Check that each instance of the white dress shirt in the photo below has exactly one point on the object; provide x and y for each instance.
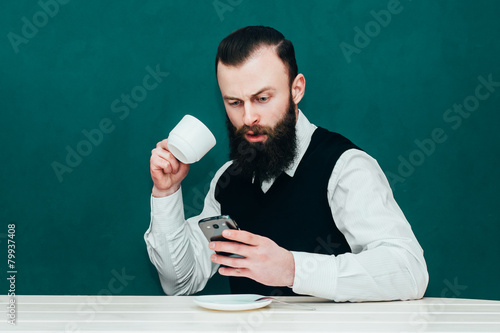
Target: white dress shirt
(386, 262)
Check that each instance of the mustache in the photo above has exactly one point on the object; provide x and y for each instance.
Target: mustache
(256, 129)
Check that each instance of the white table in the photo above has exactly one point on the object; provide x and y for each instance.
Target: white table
(180, 314)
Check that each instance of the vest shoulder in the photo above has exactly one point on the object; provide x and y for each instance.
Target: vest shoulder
(324, 141)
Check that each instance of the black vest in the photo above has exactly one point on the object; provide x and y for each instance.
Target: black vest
(294, 212)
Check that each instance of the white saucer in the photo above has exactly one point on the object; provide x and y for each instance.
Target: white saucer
(234, 302)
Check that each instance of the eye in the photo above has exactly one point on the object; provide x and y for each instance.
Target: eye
(234, 103)
(263, 99)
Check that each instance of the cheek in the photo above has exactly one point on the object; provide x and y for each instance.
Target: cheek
(276, 111)
(234, 119)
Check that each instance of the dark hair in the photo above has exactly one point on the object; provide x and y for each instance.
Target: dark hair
(236, 48)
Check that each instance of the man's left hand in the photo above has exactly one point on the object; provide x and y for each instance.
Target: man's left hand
(264, 262)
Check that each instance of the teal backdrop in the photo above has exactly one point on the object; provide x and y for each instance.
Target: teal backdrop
(87, 88)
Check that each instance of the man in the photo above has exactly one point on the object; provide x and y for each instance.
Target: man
(317, 214)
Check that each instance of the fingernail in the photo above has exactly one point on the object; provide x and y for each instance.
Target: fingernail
(226, 233)
(211, 245)
(213, 257)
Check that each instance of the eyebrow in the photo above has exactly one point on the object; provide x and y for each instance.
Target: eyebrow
(253, 95)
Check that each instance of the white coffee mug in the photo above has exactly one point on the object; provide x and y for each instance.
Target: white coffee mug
(190, 140)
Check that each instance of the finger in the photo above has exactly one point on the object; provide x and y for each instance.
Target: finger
(158, 163)
(162, 144)
(242, 236)
(228, 261)
(228, 271)
(169, 157)
(230, 247)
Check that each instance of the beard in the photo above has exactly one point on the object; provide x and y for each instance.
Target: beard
(266, 160)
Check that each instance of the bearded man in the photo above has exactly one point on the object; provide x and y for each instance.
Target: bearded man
(317, 214)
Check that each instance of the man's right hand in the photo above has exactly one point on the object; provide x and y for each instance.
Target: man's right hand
(166, 171)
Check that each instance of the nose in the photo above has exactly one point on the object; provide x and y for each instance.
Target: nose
(251, 116)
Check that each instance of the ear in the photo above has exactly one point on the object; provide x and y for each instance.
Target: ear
(298, 88)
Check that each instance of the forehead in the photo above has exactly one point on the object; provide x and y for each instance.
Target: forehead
(262, 69)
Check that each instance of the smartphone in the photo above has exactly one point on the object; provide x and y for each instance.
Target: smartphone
(212, 228)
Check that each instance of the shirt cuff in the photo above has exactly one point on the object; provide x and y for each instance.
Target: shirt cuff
(167, 213)
(315, 274)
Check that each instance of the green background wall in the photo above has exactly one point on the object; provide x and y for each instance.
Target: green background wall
(67, 72)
